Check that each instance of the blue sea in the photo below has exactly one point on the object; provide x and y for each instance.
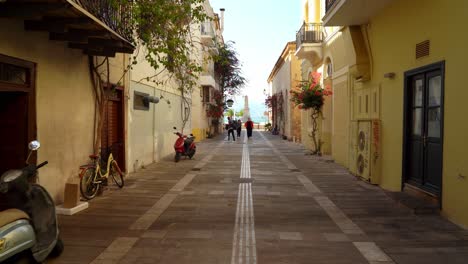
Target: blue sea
(257, 110)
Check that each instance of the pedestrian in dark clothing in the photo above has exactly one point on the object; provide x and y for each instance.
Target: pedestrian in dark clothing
(231, 127)
(239, 128)
(249, 126)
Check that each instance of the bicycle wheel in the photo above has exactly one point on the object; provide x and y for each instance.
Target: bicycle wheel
(116, 174)
(88, 188)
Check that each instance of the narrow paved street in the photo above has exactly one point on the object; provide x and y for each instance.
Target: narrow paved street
(254, 201)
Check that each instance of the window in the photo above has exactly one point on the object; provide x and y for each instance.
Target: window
(140, 101)
(13, 74)
(329, 70)
(206, 94)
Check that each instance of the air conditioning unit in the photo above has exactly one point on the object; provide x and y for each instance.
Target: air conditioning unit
(367, 158)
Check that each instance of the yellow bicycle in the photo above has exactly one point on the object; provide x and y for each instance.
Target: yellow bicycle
(92, 176)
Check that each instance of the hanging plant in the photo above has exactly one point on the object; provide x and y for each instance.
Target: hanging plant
(311, 95)
(216, 110)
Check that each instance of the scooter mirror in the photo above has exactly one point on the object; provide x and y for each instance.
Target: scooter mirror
(34, 145)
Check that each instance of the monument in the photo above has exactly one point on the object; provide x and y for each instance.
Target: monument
(246, 115)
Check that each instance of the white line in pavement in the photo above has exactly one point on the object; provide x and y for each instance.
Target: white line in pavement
(369, 250)
(373, 253)
(244, 243)
(116, 250)
(152, 215)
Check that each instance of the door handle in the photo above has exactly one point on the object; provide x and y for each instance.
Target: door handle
(424, 138)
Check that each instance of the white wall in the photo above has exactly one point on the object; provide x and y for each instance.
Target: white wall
(282, 82)
(150, 134)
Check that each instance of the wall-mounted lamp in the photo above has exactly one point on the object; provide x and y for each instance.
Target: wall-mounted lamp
(389, 75)
(151, 99)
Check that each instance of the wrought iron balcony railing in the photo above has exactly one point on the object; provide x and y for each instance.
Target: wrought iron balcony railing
(310, 33)
(114, 15)
(329, 4)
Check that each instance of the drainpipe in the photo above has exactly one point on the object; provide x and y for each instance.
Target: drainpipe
(154, 126)
(222, 20)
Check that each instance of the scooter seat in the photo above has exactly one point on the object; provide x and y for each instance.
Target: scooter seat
(11, 215)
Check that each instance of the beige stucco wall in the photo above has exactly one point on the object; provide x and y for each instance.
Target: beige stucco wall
(150, 134)
(281, 83)
(296, 116)
(64, 102)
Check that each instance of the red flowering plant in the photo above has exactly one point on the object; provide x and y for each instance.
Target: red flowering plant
(311, 95)
(271, 101)
(216, 110)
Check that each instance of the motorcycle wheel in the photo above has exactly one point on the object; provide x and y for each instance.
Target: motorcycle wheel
(177, 156)
(58, 249)
(192, 154)
(88, 188)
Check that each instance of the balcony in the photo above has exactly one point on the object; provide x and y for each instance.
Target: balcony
(207, 75)
(309, 40)
(95, 26)
(352, 12)
(207, 33)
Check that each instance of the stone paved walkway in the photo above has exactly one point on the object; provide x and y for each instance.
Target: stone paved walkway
(254, 201)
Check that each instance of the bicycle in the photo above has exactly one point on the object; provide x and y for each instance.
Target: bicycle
(92, 176)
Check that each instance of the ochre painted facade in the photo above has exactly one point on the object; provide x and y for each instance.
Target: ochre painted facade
(362, 55)
(393, 44)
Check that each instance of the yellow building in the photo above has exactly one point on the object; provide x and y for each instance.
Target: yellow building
(398, 81)
(284, 76)
(311, 49)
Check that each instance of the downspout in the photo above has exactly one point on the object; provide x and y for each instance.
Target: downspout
(365, 34)
(154, 127)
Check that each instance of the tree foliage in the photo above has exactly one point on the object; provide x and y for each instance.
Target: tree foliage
(164, 29)
(228, 69)
(240, 113)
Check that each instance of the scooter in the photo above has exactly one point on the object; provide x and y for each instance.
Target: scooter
(184, 146)
(28, 227)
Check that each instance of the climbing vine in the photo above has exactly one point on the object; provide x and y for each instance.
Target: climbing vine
(311, 95)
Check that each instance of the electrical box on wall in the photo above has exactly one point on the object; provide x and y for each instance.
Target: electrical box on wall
(367, 155)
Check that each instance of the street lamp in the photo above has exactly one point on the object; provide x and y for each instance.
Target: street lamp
(230, 102)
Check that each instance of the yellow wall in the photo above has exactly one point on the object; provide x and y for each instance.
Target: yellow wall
(393, 50)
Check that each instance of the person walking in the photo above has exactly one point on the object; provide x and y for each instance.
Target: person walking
(239, 128)
(249, 126)
(231, 127)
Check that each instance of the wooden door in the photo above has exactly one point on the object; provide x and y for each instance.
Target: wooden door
(425, 127)
(13, 130)
(112, 140)
(17, 112)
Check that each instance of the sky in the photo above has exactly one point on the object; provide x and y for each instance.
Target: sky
(260, 30)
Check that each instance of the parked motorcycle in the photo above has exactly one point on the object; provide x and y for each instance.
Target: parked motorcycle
(28, 227)
(184, 146)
